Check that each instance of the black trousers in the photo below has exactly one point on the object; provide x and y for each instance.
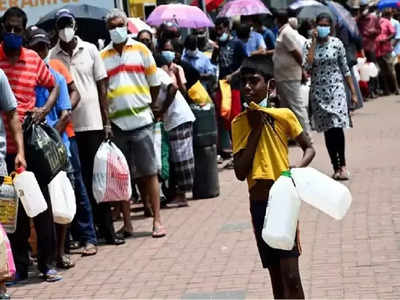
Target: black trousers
(45, 230)
(335, 143)
(88, 144)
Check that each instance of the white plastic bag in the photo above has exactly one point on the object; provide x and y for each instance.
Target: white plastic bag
(282, 214)
(157, 145)
(62, 199)
(111, 176)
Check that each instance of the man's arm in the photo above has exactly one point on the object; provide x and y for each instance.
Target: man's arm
(102, 90)
(39, 113)
(16, 132)
(63, 121)
(308, 151)
(74, 95)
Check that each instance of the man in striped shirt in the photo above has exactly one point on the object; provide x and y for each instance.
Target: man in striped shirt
(133, 87)
(25, 71)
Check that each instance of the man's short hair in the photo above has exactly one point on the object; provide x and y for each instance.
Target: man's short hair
(191, 42)
(258, 64)
(15, 12)
(222, 21)
(243, 31)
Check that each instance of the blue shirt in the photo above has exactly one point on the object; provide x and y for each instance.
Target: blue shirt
(7, 103)
(255, 42)
(396, 25)
(63, 102)
(269, 38)
(200, 62)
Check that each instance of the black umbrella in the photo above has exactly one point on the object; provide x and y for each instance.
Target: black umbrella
(90, 20)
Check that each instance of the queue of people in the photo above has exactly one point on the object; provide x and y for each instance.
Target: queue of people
(119, 92)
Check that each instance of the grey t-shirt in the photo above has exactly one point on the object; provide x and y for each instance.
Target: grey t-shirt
(7, 103)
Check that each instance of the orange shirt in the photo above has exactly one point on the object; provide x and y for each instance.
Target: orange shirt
(62, 69)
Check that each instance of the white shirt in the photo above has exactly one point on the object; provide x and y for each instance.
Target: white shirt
(86, 67)
(179, 111)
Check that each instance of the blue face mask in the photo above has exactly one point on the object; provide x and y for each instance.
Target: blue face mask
(223, 37)
(12, 41)
(169, 56)
(323, 31)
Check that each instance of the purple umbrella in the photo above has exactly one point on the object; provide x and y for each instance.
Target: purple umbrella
(186, 16)
(243, 8)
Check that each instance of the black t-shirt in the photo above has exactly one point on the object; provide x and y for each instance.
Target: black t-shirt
(231, 55)
(191, 74)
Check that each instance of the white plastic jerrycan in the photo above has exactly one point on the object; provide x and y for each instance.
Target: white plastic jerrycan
(282, 213)
(322, 192)
(28, 191)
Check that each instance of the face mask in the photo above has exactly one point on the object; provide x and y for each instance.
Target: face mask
(169, 56)
(309, 33)
(223, 37)
(191, 53)
(12, 41)
(264, 103)
(202, 35)
(66, 34)
(119, 35)
(323, 31)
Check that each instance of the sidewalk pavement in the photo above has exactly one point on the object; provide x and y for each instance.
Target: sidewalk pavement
(210, 252)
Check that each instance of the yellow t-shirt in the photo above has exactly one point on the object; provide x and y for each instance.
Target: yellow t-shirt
(271, 157)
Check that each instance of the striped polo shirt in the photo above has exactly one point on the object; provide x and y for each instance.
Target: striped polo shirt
(130, 77)
(27, 73)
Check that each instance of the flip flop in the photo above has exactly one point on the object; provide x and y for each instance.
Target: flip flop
(159, 231)
(51, 276)
(65, 263)
(89, 250)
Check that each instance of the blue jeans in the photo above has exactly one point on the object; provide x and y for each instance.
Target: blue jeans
(82, 228)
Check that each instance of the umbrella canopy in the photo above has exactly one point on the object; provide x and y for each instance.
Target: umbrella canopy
(303, 3)
(135, 25)
(311, 12)
(344, 17)
(186, 16)
(210, 4)
(243, 8)
(382, 4)
(90, 20)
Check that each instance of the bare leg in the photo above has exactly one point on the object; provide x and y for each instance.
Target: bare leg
(62, 260)
(152, 190)
(126, 213)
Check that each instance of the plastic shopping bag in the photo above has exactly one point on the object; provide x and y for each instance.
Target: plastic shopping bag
(8, 204)
(7, 265)
(157, 145)
(111, 176)
(226, 99)
(62, 198)
(46, 154)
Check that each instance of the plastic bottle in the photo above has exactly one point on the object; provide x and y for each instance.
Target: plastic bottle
(29, 192)
(282, 213)
(322, 192)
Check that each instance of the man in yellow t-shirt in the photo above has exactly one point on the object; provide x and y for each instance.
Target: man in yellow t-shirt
(260, 146)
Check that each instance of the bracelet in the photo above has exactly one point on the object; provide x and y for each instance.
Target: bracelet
(107, 126)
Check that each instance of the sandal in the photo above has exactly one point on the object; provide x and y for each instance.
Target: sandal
(72, 245)
(125, 233)
(336, 175)
(4, 296)
(159, 231)
(65, 263)
(51, 276)
(344, 174)
(89, 250)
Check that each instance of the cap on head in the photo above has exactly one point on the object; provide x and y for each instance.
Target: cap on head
(64, 13)
(35, 35)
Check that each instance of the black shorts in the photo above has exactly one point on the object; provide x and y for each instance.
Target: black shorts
(268, 255)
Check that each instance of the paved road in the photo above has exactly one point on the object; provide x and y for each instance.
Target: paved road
(210, 250)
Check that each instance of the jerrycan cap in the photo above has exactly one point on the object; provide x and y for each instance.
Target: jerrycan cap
(20, 170)
(286, 173)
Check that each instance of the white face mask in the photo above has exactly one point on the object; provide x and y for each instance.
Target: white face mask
(119, 35)
(66, 34)
(191, 53)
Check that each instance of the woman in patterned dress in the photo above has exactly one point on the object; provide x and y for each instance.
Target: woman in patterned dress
(325, 60)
